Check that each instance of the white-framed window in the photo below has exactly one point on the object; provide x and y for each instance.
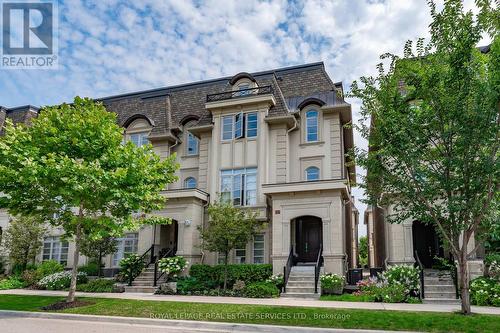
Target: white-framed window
(239, 186)
(258, 249)
(55, 249)
(190, 182)
(242, 89)
(139, 139)
(240, 256)
(312, 126)
(125, 246)
(312, 173)
(192, 144)
(240, 125)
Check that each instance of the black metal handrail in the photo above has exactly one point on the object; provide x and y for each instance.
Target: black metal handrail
(454, 274)
(287, 269)
(149, 251)
(157, 277)
(419, 263)
(317, 267)
(239, 93)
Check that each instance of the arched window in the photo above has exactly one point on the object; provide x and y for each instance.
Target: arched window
(312, 173)
(312, 126)
(190, 182)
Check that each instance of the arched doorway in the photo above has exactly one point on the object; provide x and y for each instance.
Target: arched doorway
(426, 243)
(308, 238)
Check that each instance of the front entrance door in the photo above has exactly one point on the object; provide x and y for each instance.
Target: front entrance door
(426, 243)
(309, 237)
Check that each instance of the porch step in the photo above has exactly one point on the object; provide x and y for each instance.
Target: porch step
(447, 288)
(295, 290)
(303, 284)
(140, 289)
(300, 295)
(441, 301)
(439, 294)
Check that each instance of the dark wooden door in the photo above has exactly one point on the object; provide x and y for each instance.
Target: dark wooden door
(308, 238)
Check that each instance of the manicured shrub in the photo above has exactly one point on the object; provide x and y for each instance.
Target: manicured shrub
(332, 283)
(485, 291)
(131, 266)
(49, 267)
(247, 273)
(12, 282)
(61, 280)
(91, 268)
(97, 286)
(191, 285)
(261, 290)
(172, 266)
(391, 294)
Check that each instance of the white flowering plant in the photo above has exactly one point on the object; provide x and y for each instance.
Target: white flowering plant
(403, 275)
(485, 291)
(172, 266)
(60, 280)
(278, 280)
(332, 283)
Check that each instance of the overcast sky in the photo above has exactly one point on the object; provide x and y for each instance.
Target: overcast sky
(108, 47)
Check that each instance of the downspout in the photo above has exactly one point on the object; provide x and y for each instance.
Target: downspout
(203, 228)
(294, 127)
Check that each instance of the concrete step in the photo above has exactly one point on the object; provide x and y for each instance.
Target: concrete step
(447, 288)
(441, 301)
(290, 289)
(140, 289)
(438, 281)
(301, 284)
(300, 295)
(440, 295)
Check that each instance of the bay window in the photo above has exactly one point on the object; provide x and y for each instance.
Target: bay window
(239, 186)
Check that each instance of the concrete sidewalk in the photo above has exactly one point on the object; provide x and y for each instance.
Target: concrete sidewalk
(22, 321)
(264, 301)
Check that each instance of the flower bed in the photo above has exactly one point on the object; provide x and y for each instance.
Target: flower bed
(485, 291)
(332, 284)
(61, 280)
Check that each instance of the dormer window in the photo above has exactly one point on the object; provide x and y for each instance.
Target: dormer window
(139, 139)
(192, 142)
(243, 89)
(138, 131)
(312, 126)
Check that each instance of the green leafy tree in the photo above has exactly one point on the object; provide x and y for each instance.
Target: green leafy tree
(98, 247)
(71, 168)
(432, 122)
(229, 228)
(23, 240)
(363, 251)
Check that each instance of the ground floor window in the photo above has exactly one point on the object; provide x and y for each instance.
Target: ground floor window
(240, 256)
(125, 246)
(258, 249)
(55, 249)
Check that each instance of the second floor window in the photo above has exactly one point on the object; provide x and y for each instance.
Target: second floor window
(55, 249)
(240, 125)
(192, 144)
(239, 186)
(190, 182)
(312, 173)
(139, 139)
(312, 126)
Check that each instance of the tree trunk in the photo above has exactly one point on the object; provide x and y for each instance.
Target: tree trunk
(225, 270)
(99, 263)
(463, 272)
(74, 271)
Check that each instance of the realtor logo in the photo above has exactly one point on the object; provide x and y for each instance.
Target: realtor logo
(29, 37)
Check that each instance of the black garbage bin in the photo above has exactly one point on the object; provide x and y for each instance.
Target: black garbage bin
(354, 275)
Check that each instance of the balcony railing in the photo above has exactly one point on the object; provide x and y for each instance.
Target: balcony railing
(239, 93)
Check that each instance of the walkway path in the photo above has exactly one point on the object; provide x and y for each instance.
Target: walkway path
(265, 301)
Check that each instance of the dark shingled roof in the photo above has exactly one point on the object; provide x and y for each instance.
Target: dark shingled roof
(167, 107)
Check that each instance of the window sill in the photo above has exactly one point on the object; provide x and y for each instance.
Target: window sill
(312, 143)
(190, 156)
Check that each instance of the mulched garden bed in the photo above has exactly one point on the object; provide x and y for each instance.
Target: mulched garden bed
(66, 305)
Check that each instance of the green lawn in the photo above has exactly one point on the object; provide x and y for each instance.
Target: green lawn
(257, 314)
(346, 298)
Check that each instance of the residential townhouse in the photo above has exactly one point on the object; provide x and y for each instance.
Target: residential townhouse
(273, 142)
